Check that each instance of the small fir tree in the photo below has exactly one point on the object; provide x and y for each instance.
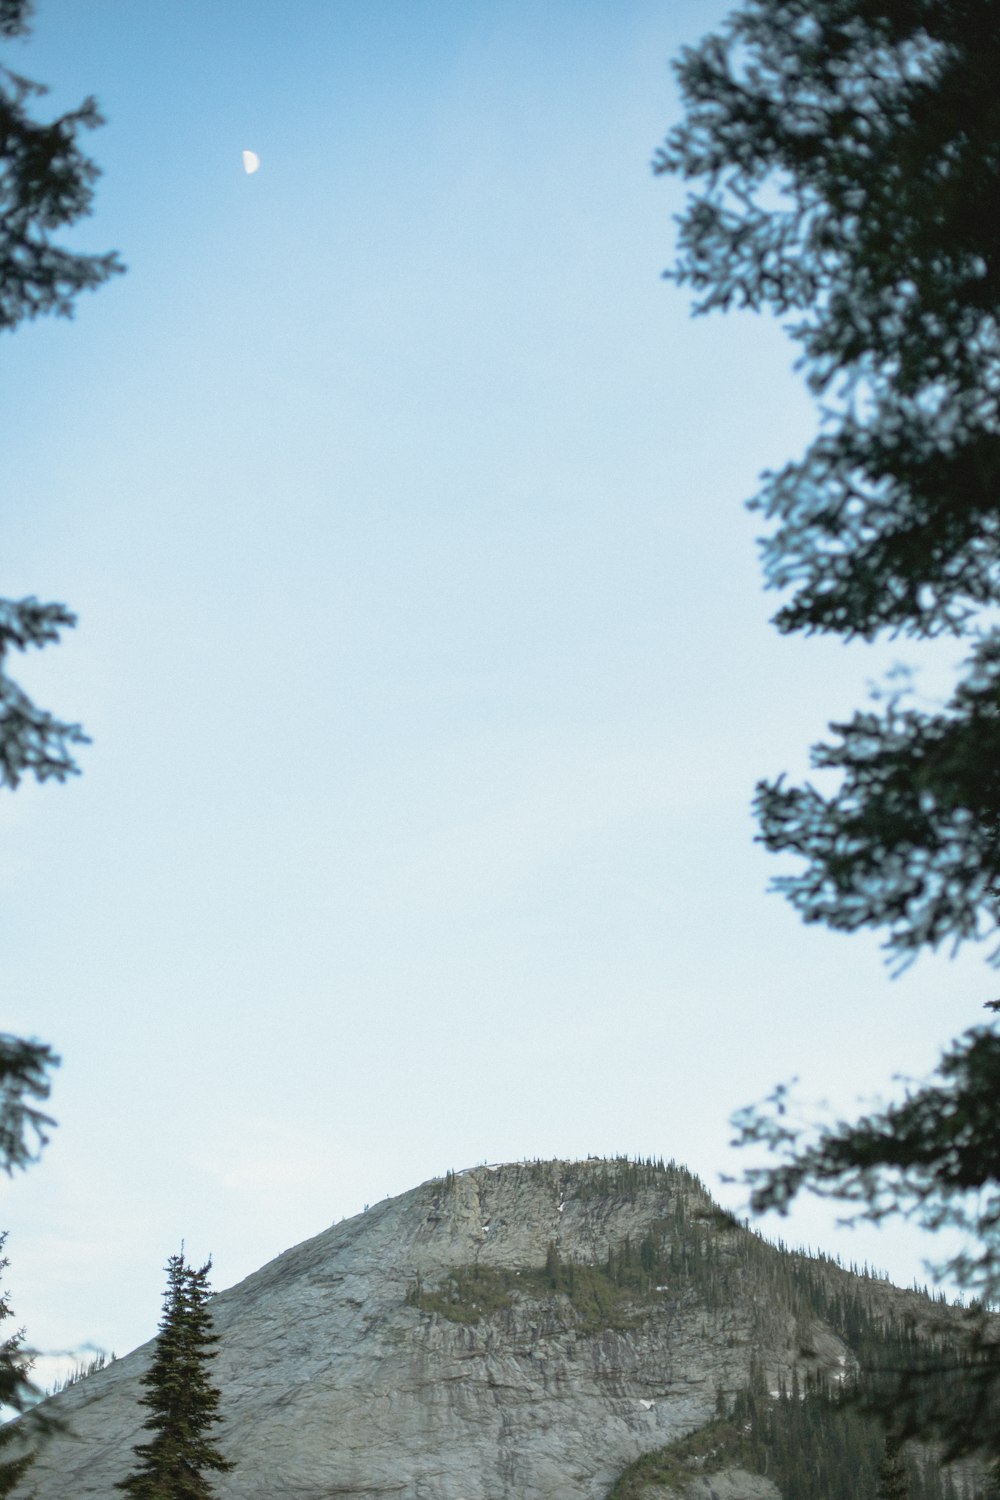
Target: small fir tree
(893, 1475)
(183, 1403)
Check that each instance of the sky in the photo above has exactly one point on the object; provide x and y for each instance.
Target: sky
(422, 644)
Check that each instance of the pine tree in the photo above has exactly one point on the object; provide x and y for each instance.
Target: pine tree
(893, 1476)
(182, 1401)
(46, 185)
(845, 163)
(16, 1390)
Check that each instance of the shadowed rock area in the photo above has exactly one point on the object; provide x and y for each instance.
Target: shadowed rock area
(521, 1332)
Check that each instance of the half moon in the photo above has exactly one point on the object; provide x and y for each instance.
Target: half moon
(251, 161)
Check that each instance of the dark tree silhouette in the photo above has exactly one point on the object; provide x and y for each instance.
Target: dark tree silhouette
(24, 1068)
(46, 184)
(183, 1404)
(850, 153)
(845, 156)
(893, 1475)
(16, 1391)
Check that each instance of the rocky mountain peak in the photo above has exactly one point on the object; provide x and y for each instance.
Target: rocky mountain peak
(513, 1332)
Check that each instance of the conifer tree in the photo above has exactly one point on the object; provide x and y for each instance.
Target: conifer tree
(893, 1477)
(183, 1404)
(844, 157)
(16, 1390)
(46, 186)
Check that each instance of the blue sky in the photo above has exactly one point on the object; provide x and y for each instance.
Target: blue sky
(422, 644)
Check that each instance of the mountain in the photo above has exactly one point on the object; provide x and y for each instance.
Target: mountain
(534, 1331)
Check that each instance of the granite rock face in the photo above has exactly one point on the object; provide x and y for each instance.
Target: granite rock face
(341, 1376)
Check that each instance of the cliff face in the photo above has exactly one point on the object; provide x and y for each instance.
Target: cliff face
(452, 1344)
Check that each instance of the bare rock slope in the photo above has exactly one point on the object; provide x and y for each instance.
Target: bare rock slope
(508, 1333)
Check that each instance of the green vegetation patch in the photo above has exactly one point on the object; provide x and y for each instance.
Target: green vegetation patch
(467, 1294)
(703, 1452)
(618, 1294)
(598, 1299)
(809, 1441)
(622, 1177)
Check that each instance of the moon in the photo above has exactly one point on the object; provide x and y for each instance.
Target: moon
(251, 161)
